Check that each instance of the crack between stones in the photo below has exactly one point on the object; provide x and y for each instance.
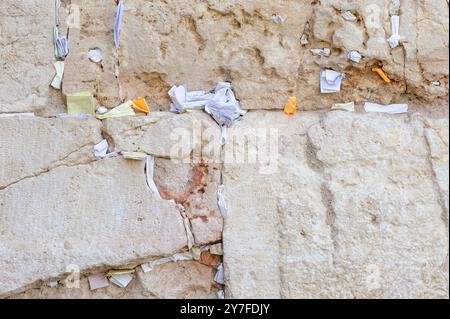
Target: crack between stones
(51, 168)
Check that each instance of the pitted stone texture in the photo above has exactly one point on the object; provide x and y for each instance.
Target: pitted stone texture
(184, 138)
(91, 216)
(32, 145)
(180, 280)
(95, 31)
(354, 211)
(238, 41)
(27, 57)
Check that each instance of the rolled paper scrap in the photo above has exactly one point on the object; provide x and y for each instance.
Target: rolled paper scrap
(140, 104)
(381, 73)
(291, 106)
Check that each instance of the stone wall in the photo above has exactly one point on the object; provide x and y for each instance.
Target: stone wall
(322, 204)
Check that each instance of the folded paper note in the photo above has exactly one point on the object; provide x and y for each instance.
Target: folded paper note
(350, 107)
(122, 280)
(330, 81)
(98, 281)
(354, 56)
(117, 24)
(390, 109)
(219, 277)
(140, 104)
(223, 107)
(291, 106)
(395, 38)
(221, 202)
(382, 75)
(80, 103)
(101, 150)
(222, 104)
(177, 257)
(149, 171)
(59, 67)
(348, 16)
(189, 235)
(124, 109)
(137, 156)
(326, 52)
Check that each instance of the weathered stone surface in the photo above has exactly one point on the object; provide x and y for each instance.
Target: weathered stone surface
(354, 212)
(94, 31)
(93, 215)
(195, 187)
(167, 135)
(31, 146)
(27, 57)
(180, 280)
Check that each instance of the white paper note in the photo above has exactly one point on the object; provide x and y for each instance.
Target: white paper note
(390, 109)
(330, 81)
(57, 80)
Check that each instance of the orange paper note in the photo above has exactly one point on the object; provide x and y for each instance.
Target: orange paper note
(291, 106)
(140, 104)
(381, 73)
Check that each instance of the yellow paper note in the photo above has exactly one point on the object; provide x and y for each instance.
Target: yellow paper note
(291, 106)
(137, 156)
(350, 107)
(124, 109)
(80, 103)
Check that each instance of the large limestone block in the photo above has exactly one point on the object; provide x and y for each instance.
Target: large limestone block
(31, 145)
(261, 233)
(87, 216)
(353, 211)
(27, 57)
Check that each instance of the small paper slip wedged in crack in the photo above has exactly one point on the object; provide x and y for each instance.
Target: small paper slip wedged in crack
(149, 172)
(101, 149)
(95, 55)
(221, 294)
(122, 280)
(221, 202)
(117, 24)
(349, 107)
(125, 109)
(57, 80)
(175, 258)
(277, 19)
(189, 235)
(395, 38)
(98, 281)
(219, 277)
(223, 135)
(348, 16)
(183, 100)
(390, 109)
(136, 156)
(326, 52)
(354, 56)
(101, 110)
(330, 81)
